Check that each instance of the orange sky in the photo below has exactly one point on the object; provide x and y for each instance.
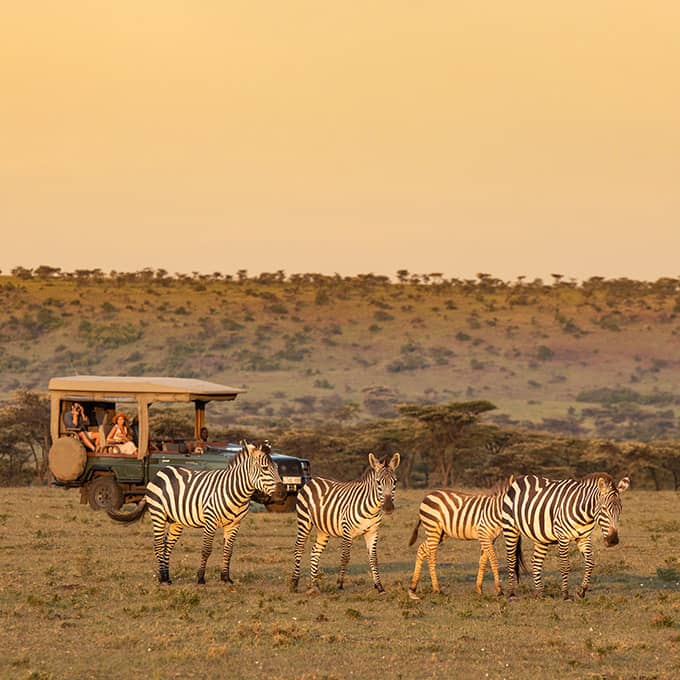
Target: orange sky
(516, 138)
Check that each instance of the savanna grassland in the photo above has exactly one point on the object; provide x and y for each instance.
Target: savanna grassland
(597, 358)
(79, 599)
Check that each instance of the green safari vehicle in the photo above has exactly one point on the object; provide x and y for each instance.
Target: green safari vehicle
(109, 474)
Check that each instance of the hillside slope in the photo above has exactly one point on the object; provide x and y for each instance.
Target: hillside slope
(601, 358)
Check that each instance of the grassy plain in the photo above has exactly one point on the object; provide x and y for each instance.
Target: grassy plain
(79, 599)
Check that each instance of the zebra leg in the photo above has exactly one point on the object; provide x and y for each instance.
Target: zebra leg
(433, 541)
(488, 555)
(344, 559)
(511, 537)
(371, 538)
(319, 546)
(208, 538)
(171, 538)
(421, 554)
(537, 560)
(303, 530)
(159, 542)
(483, 559)
(230, 534)
(563, 551)
(585, 546)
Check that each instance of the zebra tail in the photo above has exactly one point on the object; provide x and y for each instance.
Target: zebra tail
(133, 516)
(519, 559)
(414, 535)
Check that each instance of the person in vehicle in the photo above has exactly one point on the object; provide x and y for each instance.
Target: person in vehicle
(76, 420)
(121, 435)
(202, 441)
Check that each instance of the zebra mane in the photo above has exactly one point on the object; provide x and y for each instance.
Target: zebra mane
(243, 454)
(599, 475)
(370, 471)
(500, 487)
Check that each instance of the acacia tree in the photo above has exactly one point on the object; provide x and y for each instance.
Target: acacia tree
(25, 424)
(439, 429)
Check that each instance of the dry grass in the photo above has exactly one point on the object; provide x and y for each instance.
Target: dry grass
(79, 598)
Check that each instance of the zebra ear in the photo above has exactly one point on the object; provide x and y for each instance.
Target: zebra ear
(623, 484)
(374, 462)
(245, 446)
(511, 480)
(394, 461)
(602, 484)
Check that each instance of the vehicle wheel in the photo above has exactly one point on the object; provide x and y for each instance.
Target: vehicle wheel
(104, 493)
(284, 506)
(67, 459)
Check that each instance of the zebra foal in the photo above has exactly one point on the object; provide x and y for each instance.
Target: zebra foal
(178, 497)
(345, 510)
(452, 514)
(556, 512)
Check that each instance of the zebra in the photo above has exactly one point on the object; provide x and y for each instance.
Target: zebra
(179, 497)
(553, 512)
(345, 510)
(452, 514)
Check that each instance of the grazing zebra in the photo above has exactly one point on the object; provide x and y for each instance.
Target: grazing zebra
(345, 510)
(553, 512)
(181, 498)
(453, 514)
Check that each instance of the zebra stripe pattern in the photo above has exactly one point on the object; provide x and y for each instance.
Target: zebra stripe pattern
(345, 510)
(452, 514)
(553, 512)
(178, 497)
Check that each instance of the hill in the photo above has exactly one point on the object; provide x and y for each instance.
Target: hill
(595, 359)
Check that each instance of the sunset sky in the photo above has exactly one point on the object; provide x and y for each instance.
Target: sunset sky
(515, 138)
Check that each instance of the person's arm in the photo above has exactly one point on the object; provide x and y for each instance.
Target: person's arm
(112, 433)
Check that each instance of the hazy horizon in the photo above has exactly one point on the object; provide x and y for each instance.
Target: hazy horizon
(518, 139)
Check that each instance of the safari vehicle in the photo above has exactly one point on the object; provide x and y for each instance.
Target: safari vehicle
(107, 477)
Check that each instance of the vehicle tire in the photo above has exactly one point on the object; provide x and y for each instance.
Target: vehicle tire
(284, 506)
(67, 459)
(104, 493)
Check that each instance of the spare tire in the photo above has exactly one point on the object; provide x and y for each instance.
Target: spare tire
(67, 459)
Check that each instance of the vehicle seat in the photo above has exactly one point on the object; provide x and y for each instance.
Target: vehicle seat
(104, 429)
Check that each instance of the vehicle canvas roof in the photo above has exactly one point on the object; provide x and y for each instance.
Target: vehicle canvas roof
(185, 389)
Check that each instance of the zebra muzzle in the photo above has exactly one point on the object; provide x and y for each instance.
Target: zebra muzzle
(611, 539)
(279, 492)
(388, 506)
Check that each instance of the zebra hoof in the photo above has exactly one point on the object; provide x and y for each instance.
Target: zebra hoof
(313, 591)
(412, 595)
(227, 580)
(499, 592)
(581, 592)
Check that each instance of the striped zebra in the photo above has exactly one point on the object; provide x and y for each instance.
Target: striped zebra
(178, 497)
(452, 514)
(553, 512)
(345, 510)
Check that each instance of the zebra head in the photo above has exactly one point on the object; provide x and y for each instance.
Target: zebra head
(262, 471)
(609, 507)
(385, 479)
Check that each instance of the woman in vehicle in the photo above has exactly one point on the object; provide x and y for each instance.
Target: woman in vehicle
(121, 435)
